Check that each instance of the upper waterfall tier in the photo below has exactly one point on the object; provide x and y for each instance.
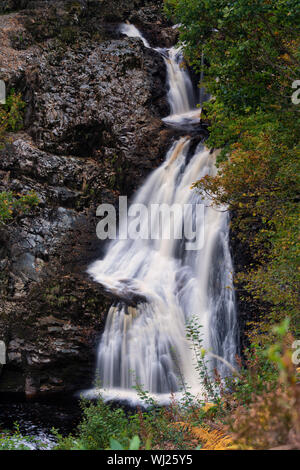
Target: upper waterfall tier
(177, 275)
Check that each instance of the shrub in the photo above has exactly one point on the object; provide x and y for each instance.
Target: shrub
(11, 115)
(12, 205)
(100, 423)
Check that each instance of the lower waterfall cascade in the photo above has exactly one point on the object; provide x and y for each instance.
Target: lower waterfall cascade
(144, 341)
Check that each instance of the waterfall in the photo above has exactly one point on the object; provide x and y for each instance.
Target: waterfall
(145, 340)
(181, 93)
(131, 31)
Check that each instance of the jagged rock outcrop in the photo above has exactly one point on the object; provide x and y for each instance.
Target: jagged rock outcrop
(93, 130)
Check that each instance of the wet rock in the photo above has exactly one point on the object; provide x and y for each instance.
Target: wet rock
(16, 343)
(155, 27)
(54, 329)
(15, 357)
(114, 92)
(49, 321)
(55, 381)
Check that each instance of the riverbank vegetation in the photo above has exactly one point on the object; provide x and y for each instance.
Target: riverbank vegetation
(256, 408)
(11, 120)
(251, 67)
(252, 60)
(11, 116)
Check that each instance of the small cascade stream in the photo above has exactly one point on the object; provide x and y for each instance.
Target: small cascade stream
(145, 341)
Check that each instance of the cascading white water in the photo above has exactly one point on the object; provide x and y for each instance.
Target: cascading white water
(145, 341)
(181, 95)
(181, 92)
(131, 31)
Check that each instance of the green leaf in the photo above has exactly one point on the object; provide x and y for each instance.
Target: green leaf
(135, 443)
(115, 445)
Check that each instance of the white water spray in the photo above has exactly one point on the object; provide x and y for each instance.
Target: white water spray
(145, 340)
(132, 32)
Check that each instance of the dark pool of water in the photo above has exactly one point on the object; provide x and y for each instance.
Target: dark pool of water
(37, 417)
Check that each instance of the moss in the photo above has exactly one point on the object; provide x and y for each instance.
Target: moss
(11, 115)
(55, 290)
(69, 34)
(50, 299)
(61, 301)
(92, 302)
(73, 7)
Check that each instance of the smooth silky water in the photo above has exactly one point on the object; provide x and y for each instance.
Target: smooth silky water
(146, 342)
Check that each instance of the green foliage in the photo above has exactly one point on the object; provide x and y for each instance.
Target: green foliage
(12, 205)
(100, 423)
(268, 416)
(250, 47)
(252, 57)
(16, 441)
(134, 444)
(11, 115)
(255, 377)
(11, 120)
(106, 427)
(185, 423)
(14, 108)
(196, 338)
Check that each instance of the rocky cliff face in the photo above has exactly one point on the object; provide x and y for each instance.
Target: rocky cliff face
(94, 100)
